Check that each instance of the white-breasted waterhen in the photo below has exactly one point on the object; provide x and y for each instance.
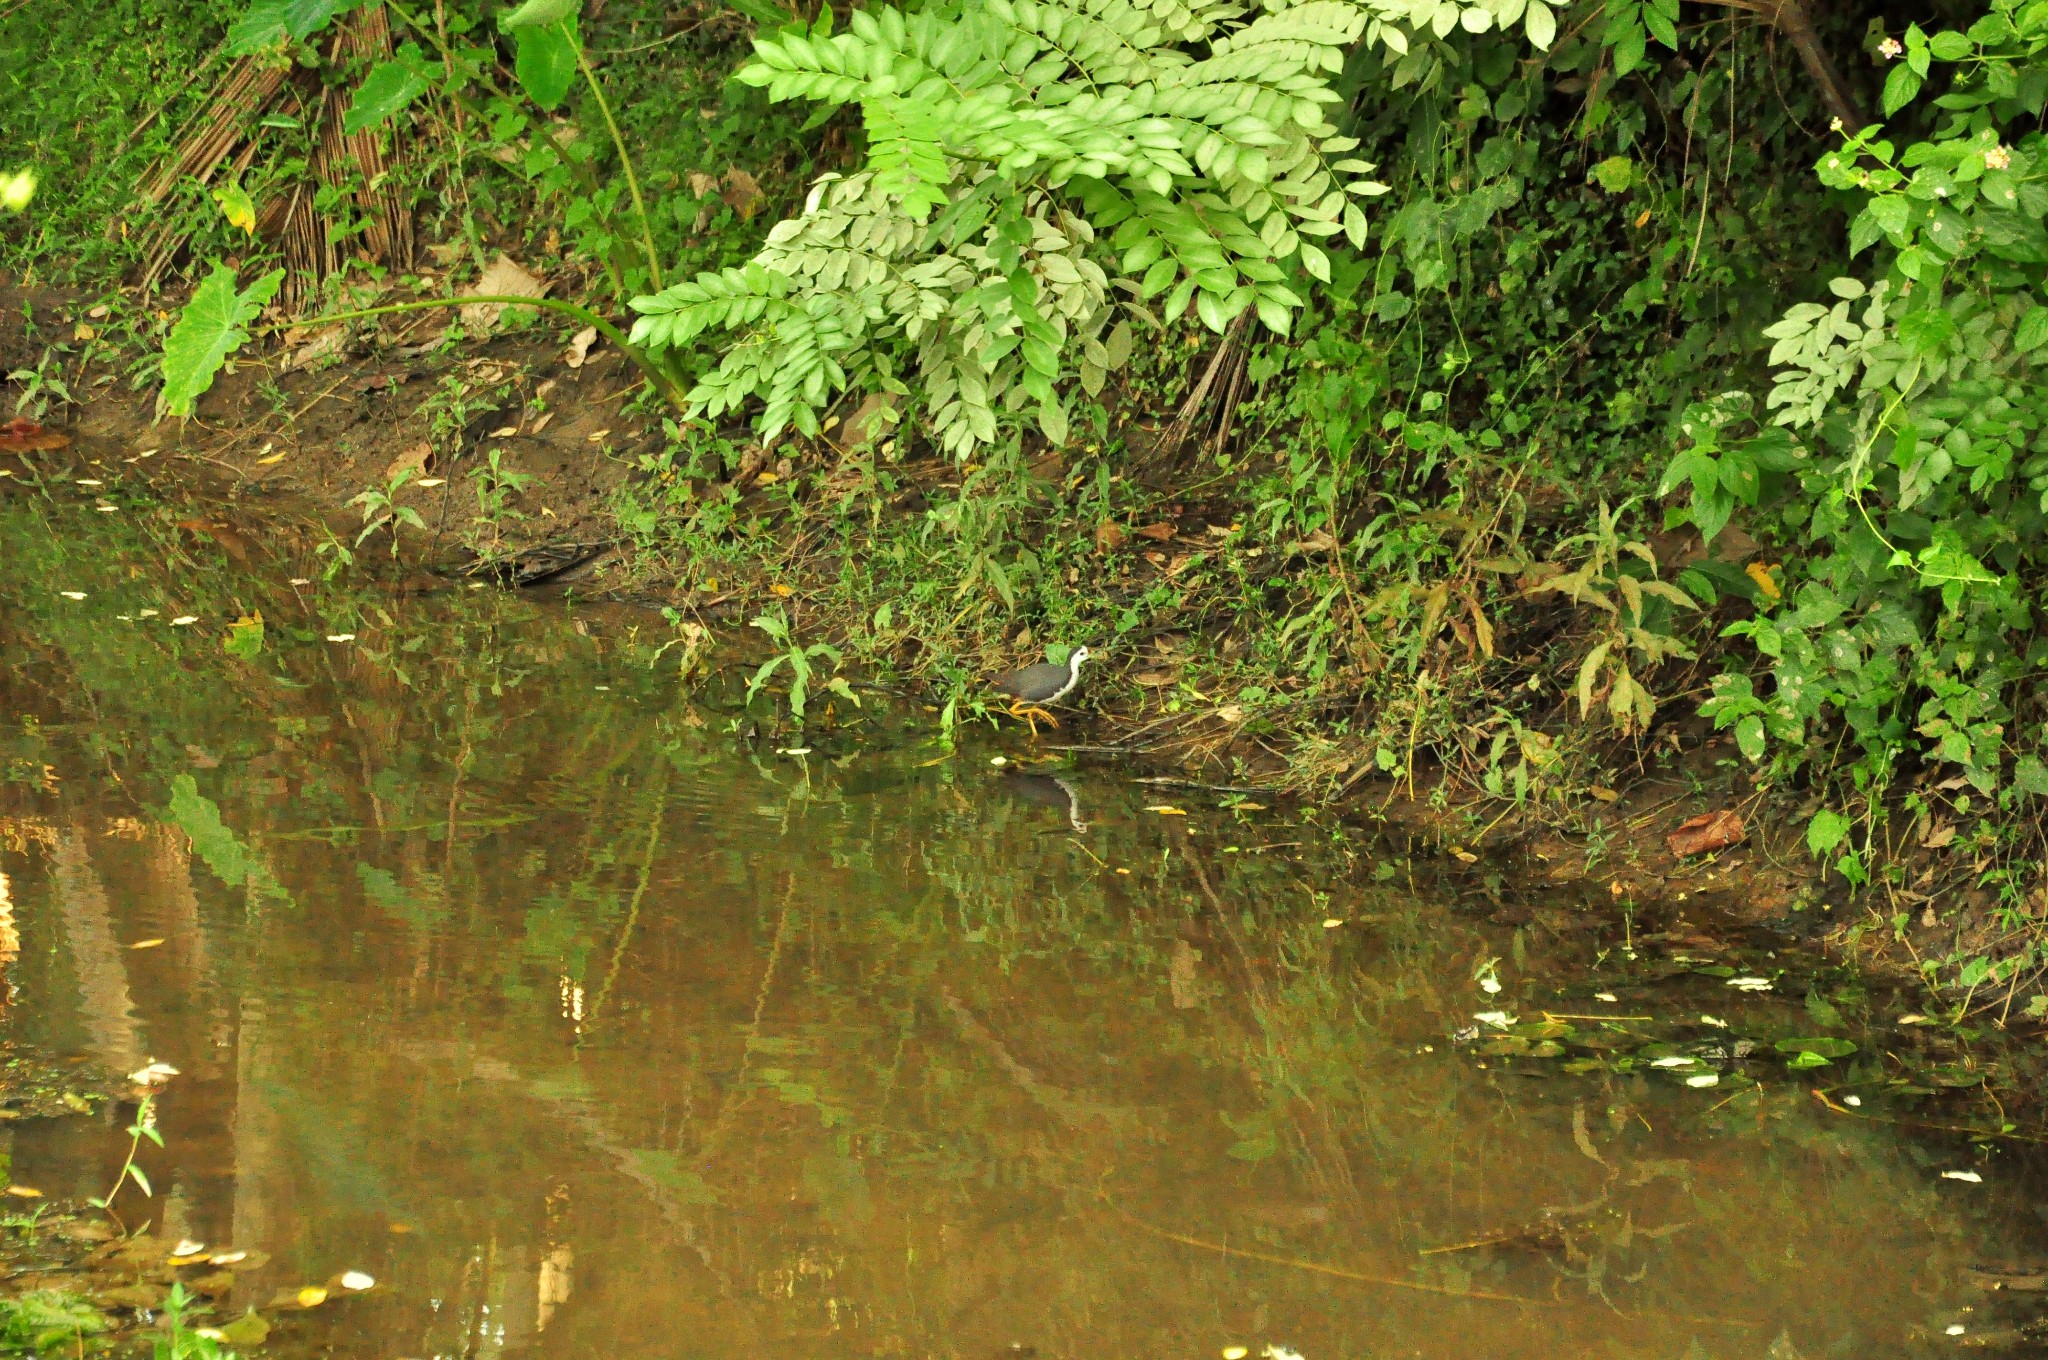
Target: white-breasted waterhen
(1037, 685)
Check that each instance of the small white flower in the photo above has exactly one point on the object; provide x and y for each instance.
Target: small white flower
(1890, 50)
(1998, 158)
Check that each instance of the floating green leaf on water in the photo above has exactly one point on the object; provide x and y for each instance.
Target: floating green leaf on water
(1814, 1052)
(250, 1329)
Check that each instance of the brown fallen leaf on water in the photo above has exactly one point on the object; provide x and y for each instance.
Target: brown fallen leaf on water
(1707, 832)
(22, 435)
(1161, 532)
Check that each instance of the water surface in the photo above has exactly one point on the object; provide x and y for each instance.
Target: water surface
(498, 965)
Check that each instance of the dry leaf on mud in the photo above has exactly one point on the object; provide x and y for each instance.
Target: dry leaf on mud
(1109, 536)
(504, 277)
(22, 435)
(1154, 679)
(579, 347)
(1158, 533)
(413, 460)
(1707, 832)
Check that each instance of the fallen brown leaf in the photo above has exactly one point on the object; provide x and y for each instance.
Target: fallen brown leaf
(1938, 837)
(22, 435)
(1109, 536)
(1161, 532)
(1707, 832)
(579, 347)
(1154, 679)
(503, 277)
(414, 460)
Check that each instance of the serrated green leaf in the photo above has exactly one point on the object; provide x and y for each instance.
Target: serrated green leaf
(1826, 831)
(2033, 330)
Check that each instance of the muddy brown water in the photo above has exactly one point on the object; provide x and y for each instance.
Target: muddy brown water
(497, 966)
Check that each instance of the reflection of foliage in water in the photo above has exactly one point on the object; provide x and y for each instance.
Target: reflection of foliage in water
(789, 1008)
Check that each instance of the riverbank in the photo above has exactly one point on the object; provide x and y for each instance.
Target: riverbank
(530, 459)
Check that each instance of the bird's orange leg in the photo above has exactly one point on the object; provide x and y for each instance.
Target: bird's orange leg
(1032, 711)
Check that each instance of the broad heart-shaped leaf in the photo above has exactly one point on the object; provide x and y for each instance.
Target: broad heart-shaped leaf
(267, 23)
(540, 13)
(390, 86)
(546, 65)
(208, 331)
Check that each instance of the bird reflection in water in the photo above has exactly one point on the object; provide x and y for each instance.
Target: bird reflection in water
(1051, 791)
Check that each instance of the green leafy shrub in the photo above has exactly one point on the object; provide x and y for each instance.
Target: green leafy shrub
(1904, 467)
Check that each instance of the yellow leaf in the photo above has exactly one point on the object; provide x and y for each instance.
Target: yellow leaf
(1761, 574)
(236, 206)
(312, 1296)
(24, 1192)
(779, 589)
(145, 944)
(1167, 810)
(273, 458)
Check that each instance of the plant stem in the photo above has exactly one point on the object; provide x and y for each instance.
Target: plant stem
(135, 1135)
(661, 380)
(625, 160)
